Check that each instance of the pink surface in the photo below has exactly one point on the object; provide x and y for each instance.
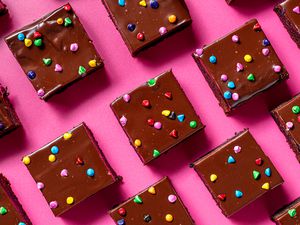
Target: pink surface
(88, 101)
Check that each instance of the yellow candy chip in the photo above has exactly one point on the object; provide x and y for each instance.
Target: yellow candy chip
(266, 186)
(27, 42)
(169, 218)
(137, 143)
(59, 21)
(213, 177)
(26, 160)
(70, 200)
(51, 158)
(93, 63)
(152, 190)
(248, 58)
(143, 3)
(172, 18)
(166, 112)
(67, 136)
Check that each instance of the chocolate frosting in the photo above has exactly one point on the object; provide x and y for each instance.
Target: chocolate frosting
(237, 175)
(284, 115)
(136, 116)
(228, 53)
(8, 118)
(67, 175)
(155, 205)
(57, 39)
(11, 211)
(289, 215)
(147, 20)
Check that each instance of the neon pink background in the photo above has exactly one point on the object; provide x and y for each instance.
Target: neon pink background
(89, 100)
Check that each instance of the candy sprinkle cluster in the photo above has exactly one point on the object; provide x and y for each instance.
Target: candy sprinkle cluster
(147, 217)
(296, 110)
(256, 174)
(64, 173)
(231, 93)
(152, 5)
(157, 123)
(38, 42)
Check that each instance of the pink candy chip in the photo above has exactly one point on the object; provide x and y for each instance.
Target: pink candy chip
(265, 51)
(64, 173)
(74, 47)
(172, 198)
(239, 67)
(41, 92)
(235, 96)
(58, 68)
(123, 121)
(296, 10)
(157, 125)
(235, 38)
(53, 204)
(289, 125)
(126, 97)
(277, 68)
(162, 30)
(40, 185)
(237, 149)
(224, 77)
(199, 51)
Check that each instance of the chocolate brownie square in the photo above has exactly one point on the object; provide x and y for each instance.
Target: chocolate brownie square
(289, 14)
(54, 51)
(11, 211)
(8, 118)
(287, 117)
(157, 205)
(156, 116)
(237, 172)
(143, 23)
(75, 162)
(288, 215)
(240, 65)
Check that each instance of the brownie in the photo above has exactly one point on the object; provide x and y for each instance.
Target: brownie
(3, 9)
(287, 117)
(143, 23)
(289, 13)
(75, 162)
(156, 116)
(54, 51)
(288, 215)
(11, 211)
(156, 205)
(8, 118)
(249, 67)
(237, 173)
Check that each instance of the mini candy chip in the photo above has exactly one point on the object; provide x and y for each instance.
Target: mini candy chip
(266, 186)
(172, 19)
(21, 37)
(27, 42)
(68, 22)
(121, 2)
(213, 177)
(81, 70)
(292, 213)
(237, 149)
(138, 200)
(70, 200)
(31, 75)
(93, 63)
(161, 205)
(90, 172)
(52, 158)
(238, 194)
(256, 175)
(268, 172)
(122, 211)
(26, 160)
(47, 61)
(213, 59)
(230, 160)
(67, 136)
(181, 117)
(54, 150)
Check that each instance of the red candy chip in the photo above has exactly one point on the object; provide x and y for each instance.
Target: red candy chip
(122, 212)
(67, 7)
(140, 36)
(37, 34)
(174, 133)
(222, 197)
(259, 161)
(146, 103)
(168, 95)
(79, 161)
(150, 122)
(257, 27)
(298, 118)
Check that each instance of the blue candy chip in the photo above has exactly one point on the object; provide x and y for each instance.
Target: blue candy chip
(227, 95)
(213, 59)
(231, 85)
(54, 150)
(21, 37)
(90, 172)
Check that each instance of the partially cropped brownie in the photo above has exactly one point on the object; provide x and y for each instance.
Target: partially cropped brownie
(157, 205)
(289, 13)
(8, 118)
(287, 117)
(288, 215)
(11, 211)
(54, 51)
(3, 9)
(70, 169)
(156, 116)
(237, 173)
(143, 23)
(240, 65)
